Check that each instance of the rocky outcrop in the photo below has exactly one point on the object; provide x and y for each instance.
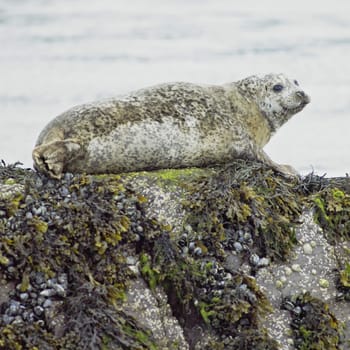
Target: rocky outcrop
(221, 258)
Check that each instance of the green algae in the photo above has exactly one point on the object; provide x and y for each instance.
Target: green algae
(148, 272)
(178, 176)
(345, 276)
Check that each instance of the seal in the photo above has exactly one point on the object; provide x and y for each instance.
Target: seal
(173, 125)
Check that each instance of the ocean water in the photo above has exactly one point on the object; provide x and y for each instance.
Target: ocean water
(55, 54)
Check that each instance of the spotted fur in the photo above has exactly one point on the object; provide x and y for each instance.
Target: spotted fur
(173, 125)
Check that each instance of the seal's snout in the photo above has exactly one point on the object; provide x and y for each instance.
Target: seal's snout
(303, 96)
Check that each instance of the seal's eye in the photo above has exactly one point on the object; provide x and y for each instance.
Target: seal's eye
(277, 88)
(296, 82)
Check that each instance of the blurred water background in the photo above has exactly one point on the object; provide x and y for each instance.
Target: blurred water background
(58, 53)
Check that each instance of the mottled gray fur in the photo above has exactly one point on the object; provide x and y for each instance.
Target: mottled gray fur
(171, 125)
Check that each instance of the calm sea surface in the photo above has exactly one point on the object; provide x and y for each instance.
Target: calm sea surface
(58, 53)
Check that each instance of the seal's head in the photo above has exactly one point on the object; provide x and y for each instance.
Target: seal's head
(278, 97)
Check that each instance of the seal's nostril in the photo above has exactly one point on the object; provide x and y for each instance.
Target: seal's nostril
(305, 99)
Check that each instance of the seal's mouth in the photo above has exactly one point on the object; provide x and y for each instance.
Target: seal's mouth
(303, 104)
(305, 99)
(298, 108)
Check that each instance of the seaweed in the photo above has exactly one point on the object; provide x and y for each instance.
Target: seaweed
(83, 229)
(332, 212)
(79, 227)
(314, 326)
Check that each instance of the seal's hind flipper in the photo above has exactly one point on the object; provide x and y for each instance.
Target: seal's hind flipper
(50, 158)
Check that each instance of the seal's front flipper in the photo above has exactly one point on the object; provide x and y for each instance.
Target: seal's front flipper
(286, 170)
(51, 158)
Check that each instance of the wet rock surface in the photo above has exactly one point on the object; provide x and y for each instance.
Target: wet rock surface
(222, 258)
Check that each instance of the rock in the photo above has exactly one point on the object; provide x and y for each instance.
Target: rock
(174, 259)
(307, 248)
